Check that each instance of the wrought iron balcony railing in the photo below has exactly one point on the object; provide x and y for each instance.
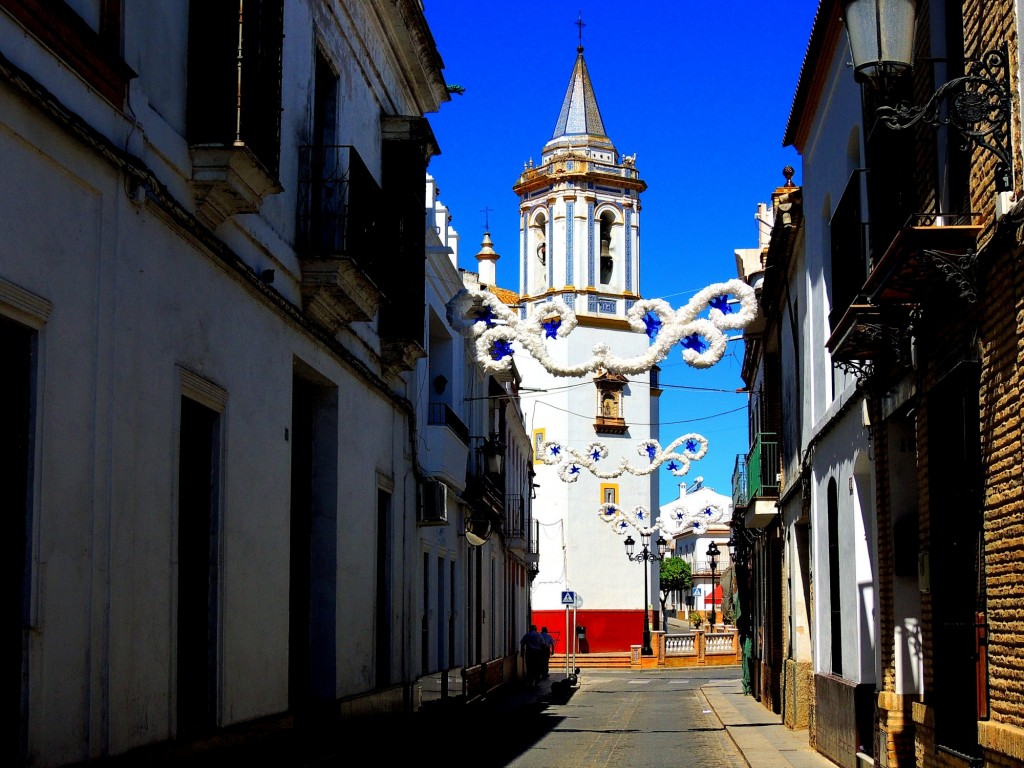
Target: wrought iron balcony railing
(763, 466)
(515, 516)
(338, 204)
(740, 492)
(441, 415)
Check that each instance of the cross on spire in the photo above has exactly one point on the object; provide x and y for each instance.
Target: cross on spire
(579, 23)
(487, 222)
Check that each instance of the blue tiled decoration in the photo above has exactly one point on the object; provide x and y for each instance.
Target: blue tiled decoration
(590, 243)
(569, 229)
(629, 250)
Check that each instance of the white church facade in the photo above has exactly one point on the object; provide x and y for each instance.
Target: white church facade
(580, 244)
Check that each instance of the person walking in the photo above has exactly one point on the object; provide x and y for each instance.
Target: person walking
(549, 651)
(534, 650)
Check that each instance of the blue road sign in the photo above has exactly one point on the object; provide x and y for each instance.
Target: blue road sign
(568, 598)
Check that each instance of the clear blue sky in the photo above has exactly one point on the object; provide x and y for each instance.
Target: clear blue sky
(700, 91)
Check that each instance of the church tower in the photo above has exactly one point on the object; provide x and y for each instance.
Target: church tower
(580, 213)
(580, 243)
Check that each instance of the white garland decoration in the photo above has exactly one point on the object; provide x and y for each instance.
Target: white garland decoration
(681, 518)
(571, 461)
(621, 521)
(502, 326)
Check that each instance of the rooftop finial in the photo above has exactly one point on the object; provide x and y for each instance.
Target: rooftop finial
(788, 173)
(487, 221)
(581, 25)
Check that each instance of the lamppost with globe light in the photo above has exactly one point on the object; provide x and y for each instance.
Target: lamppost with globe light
(712, 564)
(644, 557)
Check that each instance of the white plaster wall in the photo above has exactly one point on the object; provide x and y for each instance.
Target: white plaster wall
(594, 563)
(826, 171)
(134, 303)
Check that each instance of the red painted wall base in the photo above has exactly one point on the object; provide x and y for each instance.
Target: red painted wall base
(606, 631)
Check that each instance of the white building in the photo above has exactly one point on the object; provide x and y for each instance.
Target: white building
(580, 242)
(475, 529)
(710, 516)
(218, 454)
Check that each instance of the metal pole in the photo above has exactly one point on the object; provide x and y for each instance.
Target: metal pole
(567, 640)
(714, 616)
(574, 638)
(647, 651)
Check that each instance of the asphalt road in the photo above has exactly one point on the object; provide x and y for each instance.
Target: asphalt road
(625, 718)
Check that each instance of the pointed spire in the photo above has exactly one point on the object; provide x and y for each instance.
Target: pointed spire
(488, 259)
(580, 115)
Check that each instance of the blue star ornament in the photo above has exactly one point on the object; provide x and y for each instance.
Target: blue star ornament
(501, 349)
(595, 455)
(651, 451)
(695, 342)
(652, 325)
(692, 446)
(551, 327)
(574, 470)
(672, 466)
(486, 315)
(555, 450)
(721, 303)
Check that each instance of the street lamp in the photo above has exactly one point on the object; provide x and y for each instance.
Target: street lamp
(979, 102)
(713, 564)
(644, 557)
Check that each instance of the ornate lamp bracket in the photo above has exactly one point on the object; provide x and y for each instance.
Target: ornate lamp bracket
(979, 108)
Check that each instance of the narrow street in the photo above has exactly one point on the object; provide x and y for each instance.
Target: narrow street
(625, 718)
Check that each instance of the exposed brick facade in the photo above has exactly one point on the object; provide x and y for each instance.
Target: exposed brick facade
(961, 407)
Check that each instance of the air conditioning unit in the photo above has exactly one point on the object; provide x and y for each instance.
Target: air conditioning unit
(434, 503)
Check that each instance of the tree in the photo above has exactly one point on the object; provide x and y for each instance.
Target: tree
(674, 577)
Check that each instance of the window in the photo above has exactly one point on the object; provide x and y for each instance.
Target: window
(609, 494)
(538, 441)
(607, 247)
(538, 242)
(235, 100)
(86, 37)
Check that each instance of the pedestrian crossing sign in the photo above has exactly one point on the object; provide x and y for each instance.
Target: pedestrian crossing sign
(568, 598)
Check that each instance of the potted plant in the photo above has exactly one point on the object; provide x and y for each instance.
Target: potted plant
(696, 619)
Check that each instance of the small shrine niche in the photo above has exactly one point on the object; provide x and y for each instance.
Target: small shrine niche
(610, 418)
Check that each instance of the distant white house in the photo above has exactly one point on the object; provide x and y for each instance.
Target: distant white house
(692, 542)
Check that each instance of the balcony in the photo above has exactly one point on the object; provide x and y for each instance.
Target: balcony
(448, 442)
(442, 415)
(929, 257)
(930, 254)
(485, 488)
(515, 525)
(336, 235)
(740, 492)
(533, 548)
(762, 480)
